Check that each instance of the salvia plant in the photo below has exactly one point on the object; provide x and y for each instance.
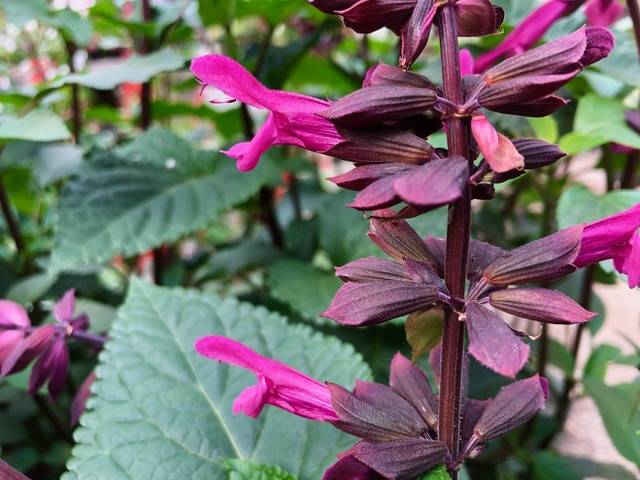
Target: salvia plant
(423, 142)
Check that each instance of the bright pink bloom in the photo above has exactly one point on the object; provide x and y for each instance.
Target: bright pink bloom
(497, 150)
(602, 13)
(616, 238)
(278, 384)
(13, 322)
(292, 119)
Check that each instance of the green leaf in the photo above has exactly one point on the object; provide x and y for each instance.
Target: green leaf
(161, 411)
(424, 331)
(600, 120)
(49, 162)
(546, 128)
(578, 204)
(243, 470)
(39, 125)
(31, 289)
(154, 190)
(618, 406)
(550, 466)
(307, 289)
(438, 473)
(135, 69)
(343, 231)
(560, 356)
(602, 356)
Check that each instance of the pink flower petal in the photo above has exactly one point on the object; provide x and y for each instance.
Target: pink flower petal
(467, 62)
(13, 315)
(63, 310)
(498, 151)
(278, 384)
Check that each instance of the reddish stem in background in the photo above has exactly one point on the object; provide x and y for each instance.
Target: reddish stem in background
(458, 231)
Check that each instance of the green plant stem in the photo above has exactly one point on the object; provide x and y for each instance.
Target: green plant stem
(76, 110)
(458, 233)
(10, 219)
(586, 297)
(53, 418)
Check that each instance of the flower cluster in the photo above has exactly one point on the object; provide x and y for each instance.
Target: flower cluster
(397, 424)
(45, 347)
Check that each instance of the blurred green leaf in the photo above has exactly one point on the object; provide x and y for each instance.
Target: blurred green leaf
(307, 289)
(156, 399)
(49, 162)
(424, 331)
(39, 125)
(619, 408)
(599, 120)
(152, 191)
(560, 356)
(438, 473)
(545, 128)
(31, 289)
(602, 356)
(578, 204)
(135, 69)
(550, 466)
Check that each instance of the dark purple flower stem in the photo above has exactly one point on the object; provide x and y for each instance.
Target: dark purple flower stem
(96, 341)
(458, 231)
(634, 12)
(633, 160)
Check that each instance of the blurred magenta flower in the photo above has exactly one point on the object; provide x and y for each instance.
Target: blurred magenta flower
(600, 13)
(45, 344)
(614, 238)
(278, 384)
(13, 323)
(292, 118)
(397, 424)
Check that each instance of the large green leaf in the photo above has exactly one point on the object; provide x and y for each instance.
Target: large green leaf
(135, 69)
(160, 411)
(580, 205)
(39, 125)
(619, 408)
(152, 191)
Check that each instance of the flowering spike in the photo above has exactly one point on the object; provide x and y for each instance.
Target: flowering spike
(371, 269)
(477, 18)
(397, 239)
(383, 74)
(540, 304)
(350, 468)
(536, 154)
(492, 342)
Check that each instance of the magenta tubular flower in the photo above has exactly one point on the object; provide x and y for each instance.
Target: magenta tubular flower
(292, 118)
(278, 384)
(397, 424)
(614, 238)
(498, 151)
(13, 323)
(602, 13)
(528, 32)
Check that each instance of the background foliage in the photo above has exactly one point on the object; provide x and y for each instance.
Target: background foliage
(111, 194)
